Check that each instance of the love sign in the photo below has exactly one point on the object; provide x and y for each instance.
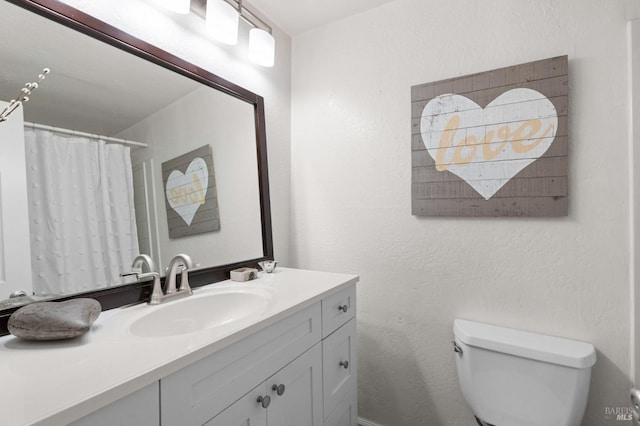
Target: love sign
(190, 193)
(186, 191)
(487, 147)
(492, 143)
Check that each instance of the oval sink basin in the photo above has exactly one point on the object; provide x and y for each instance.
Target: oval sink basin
(201, 311)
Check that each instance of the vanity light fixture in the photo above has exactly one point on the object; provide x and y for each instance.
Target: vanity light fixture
(178, 6)
(222, 19)
(261, 47)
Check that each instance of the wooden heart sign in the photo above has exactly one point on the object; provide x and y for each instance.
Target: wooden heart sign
(186, 191)
(191, 194)
(493, 143)
(488, 146)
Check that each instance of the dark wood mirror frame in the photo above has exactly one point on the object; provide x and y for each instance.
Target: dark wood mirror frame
(122, 295)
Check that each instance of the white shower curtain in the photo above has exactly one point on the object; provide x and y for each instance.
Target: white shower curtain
(82, 219)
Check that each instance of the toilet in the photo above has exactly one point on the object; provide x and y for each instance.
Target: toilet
(517, 378)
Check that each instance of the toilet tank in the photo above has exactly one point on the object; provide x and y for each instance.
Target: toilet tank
(514, 377)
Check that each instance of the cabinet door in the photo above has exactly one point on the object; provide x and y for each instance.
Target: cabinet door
(247, 411)
(197, 393)
(339, 366)
(345, 413)
(300, 385)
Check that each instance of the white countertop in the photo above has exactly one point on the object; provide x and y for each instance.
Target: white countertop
(55, 383)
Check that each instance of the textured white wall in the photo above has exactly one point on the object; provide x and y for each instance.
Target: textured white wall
(185, 36)
(351, 196)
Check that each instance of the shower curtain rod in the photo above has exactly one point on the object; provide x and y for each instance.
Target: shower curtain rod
(87, 135)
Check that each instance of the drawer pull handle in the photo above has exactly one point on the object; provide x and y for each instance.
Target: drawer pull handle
(264, 401)
(344, 364)
(343, 308)
(279, 389)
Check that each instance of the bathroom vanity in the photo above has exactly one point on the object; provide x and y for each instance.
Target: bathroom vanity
(282, 352)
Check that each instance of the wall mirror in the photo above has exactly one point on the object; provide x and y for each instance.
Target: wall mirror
(106, 82)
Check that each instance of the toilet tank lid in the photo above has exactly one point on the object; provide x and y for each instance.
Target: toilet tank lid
(555, 350)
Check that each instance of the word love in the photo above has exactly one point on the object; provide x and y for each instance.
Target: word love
(186, 191)
(519, 140)
(488, 147)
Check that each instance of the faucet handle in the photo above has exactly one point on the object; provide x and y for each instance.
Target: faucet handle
(137, 274)
(148, 274)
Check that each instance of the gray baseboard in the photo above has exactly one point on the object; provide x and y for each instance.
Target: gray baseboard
(363, 422)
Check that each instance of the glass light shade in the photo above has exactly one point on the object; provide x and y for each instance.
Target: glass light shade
(177, 6)
(262, 47)
(222, 20)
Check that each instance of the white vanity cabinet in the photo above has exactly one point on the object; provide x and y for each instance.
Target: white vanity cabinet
(299, 401)
(201, 391)
(141, 408)
(297, 352)
(339, 359)
(299, 371)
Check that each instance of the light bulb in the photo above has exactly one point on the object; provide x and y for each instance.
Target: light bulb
(222, 21)
(262, 47)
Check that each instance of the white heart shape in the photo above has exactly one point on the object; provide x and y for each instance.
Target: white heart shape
(186, 192)
(487, 147)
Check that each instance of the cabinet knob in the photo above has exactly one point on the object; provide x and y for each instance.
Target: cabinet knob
(264, 401)
(344, 364)
(279, 389)
(343, 308)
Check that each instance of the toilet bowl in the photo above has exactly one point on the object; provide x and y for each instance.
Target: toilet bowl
(517, 378)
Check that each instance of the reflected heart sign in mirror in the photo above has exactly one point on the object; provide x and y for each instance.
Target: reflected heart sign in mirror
(186, 191)
(190, 193)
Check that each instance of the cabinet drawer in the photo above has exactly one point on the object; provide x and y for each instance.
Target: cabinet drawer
(197, 393)
(337, 309)
(339, 369)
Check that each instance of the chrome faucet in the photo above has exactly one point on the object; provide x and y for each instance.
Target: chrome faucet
(140, 261)
(181, 262)
(144, 259)
(184, 262)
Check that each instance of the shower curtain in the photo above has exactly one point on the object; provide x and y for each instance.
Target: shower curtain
(81, 214)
